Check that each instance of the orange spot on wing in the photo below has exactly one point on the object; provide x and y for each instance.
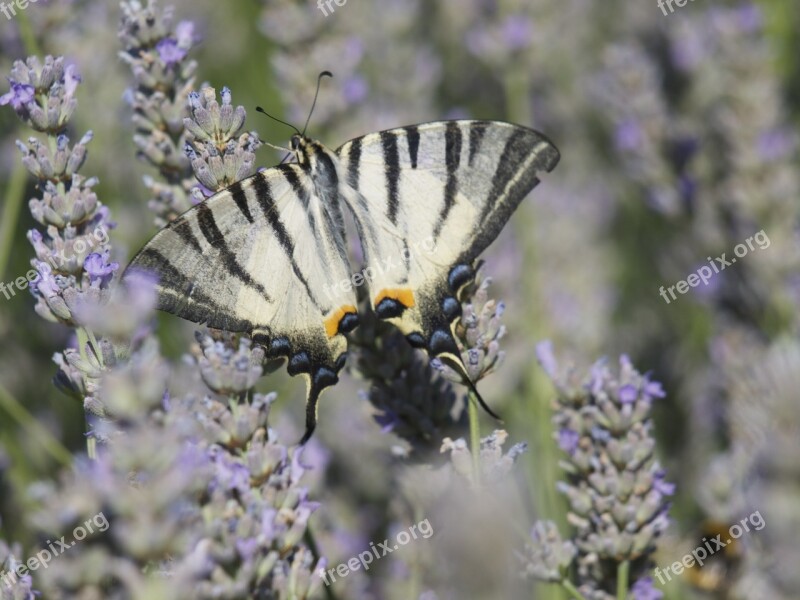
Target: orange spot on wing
(404, 296)
(332, 322)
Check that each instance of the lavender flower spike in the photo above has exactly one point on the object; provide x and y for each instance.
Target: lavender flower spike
(615, 487)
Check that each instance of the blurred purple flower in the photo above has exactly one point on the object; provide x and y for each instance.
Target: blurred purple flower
(568, 440)
(44, 283)
(71, 80)
(544, 354)
(20, 95)
(184, 32)
(517, 30)
(628, 394)
(662, 486)
(99, 269)
(388, 420)
(170, 52)
(628, 135)
(355, 89)
(643, 589)
(652, 389)
(775, 144)
(750, 17)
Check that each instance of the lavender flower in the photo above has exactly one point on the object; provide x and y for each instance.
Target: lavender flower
(547, 557)
(615, 487)
(43, 95)
(219, 158)
(414, 403)
(224, 370)
(13, 587)
(478, 333)
(72, 256)
(157, 54)
(494, 463)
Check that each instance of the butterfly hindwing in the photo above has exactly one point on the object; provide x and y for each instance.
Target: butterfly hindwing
(262, 257)
(436, 195)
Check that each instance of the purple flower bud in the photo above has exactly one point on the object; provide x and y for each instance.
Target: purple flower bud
(19, 97)
(517, 32)
(44, 283)
(653, 389)
(628, 136)
(663, 487)
(226, 95)
(99, 269)
(355, 89)
(71, 80)
(170, 52)
(628, 394)
(184, 32)
(643, 589)
(568, 440)
(544, 354)
(387, 420)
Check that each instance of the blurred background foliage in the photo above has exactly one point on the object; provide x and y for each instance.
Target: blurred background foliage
(678, 139)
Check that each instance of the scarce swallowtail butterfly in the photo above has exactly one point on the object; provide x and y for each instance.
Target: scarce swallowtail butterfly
(266, 255)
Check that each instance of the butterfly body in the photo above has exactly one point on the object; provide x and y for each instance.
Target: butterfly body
(267, 255)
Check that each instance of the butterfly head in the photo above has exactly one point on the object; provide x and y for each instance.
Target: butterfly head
(316, 159)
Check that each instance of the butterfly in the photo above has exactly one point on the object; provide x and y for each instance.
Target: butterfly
(267, 256)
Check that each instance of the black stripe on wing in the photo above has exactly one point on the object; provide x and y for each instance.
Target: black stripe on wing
(524, 154)
(452, 153)
(477, 129)
(353, 163)
(215, 238)
(178, 295)
(391, 157)
(183, 229)
(412, 135)
(267, 204)
(240, 199)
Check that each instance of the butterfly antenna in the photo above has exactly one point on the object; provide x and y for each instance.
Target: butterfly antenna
(281, 148)
(314, 103)
(265, 113)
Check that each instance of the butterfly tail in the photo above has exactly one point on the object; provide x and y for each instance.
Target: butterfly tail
(454, 361)
(311, 413)
(322, 379)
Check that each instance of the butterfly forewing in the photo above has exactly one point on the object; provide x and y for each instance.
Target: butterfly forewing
(262, 256)
(436, 195)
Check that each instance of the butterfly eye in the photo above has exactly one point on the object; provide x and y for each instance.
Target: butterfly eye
(295, 142)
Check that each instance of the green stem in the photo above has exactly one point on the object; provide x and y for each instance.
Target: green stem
(15, 192)
(474, 438)
(623, 571)
(27, 35)
(95, 347)
(573, 591)
(21, 415)
(83, 339)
